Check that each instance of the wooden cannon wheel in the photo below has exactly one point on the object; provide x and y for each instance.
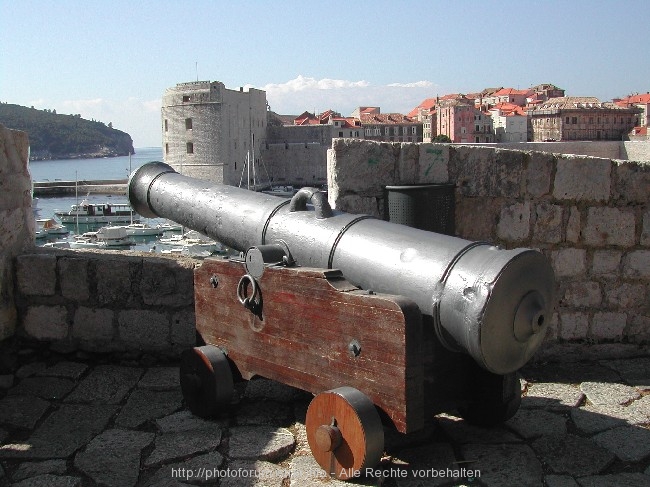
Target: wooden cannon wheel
(206, 380)
(344, 432)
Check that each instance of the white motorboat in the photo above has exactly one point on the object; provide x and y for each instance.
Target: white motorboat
(141, 229)
(51, 227)
(113, 237)
(192, 243)
(86, 212)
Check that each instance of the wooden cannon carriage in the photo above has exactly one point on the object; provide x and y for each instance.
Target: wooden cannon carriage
(384, 323)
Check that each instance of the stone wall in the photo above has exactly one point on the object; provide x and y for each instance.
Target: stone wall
(106, 301)
(632, 150)
(590, 217)
(16, 218)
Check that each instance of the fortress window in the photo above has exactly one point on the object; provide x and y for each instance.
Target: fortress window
(186, 98)
(166, 125)
(190, 148)
(188, 124)
(166, 148)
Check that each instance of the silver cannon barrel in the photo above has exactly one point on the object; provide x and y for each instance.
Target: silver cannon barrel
(492, 303)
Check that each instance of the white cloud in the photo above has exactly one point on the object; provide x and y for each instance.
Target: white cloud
(305, 93)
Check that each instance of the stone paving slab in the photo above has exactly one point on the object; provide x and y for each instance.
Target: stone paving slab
(202, 469)
(52, 388)
(634, 371)
(113, 457)
(49, 480)
(604, 394)
(501, 465)
(572, 455)
(531, 423)
(22, 411)
(63, 432)
(171, 447)
(160, 379)
(66, 370)
(260, 443)
(628, 443)
(186, 421)
(615, 480)
(552, 396)
(144, 405)
(106, 384)
(32, 469)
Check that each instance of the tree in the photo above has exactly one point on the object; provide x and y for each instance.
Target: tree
(441, 138)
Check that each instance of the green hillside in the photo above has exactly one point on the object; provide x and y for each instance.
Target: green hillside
(53, 136)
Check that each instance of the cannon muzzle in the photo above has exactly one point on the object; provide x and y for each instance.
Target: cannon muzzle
(492, 303)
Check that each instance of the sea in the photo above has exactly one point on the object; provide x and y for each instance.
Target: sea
(89, 169)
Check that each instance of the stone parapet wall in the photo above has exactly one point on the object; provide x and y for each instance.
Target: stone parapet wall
(17, 224)
(106, 301)
(589, 216)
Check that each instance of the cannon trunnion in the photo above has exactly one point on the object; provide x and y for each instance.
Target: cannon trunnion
(385, 324)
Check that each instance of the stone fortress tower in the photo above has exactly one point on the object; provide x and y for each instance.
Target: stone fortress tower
(208, 130)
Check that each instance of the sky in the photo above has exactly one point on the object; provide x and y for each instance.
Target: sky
(112, 60)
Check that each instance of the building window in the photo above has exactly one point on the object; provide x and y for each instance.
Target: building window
(188, 124)
(388, 129)
(166, 148)
(567, 120)
(190, 147)
(414, 130)
(166, 125)
(186, 98)
(340, 134)
(574, 120)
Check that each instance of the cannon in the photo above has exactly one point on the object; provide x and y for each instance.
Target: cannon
(385, 324)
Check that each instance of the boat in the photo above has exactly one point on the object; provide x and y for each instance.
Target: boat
(146, 230)
(104, 237)
(86, 212)
(191, 243)
(51, 227)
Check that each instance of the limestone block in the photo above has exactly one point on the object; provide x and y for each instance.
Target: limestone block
(408, 163)
(167, 282)
(46, 322)
(360, 205)
(514, 222)
(144, 330)
(476, 218)
(548, 223)
(483, 171)
(582, 179)
(581, 294)
(645, 231)
(626, 295)
(16, 229)
(632, 180)
(114, 284)
(573, 225)
(73, 274)
(183, 329)
(8, 317)
(569, 262)
(574, 325)
(362, 167)
(639, 330)
(538, 173)
(606, 263)
(608, 326)
(636, 264)
(433, 163)
(36, 274)
(93, 324)
(609, 226)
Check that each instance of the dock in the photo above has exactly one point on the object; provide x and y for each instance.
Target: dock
(101, 186)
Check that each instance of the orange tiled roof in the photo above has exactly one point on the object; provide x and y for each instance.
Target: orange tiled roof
(386, 118)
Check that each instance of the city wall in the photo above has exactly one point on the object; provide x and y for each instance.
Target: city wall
(16, 218)
(589, 216)
(633, 150)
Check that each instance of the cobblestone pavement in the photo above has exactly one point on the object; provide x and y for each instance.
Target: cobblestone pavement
(76, 422)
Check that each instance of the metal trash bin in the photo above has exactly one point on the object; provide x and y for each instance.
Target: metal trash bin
(424, 206)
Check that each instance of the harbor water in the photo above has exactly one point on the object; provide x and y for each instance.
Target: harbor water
(93, 169)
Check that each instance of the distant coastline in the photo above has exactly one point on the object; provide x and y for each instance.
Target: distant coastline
(103, 152)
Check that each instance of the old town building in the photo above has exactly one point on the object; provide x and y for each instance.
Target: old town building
(580, 118)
